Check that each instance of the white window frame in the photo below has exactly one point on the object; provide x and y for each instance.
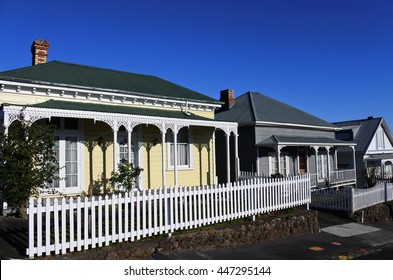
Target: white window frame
(380, 139)
(273, 164)
(388, 169)
(122, 140)
(170, 150)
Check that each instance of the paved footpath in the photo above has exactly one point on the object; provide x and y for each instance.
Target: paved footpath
(339, 239)
(13, 238)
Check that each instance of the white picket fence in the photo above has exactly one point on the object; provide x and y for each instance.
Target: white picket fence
(349, 199)
(67, 224)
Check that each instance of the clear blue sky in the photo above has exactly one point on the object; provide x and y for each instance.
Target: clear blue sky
(330, 58)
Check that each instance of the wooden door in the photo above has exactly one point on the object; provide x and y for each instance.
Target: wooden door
(302, 162)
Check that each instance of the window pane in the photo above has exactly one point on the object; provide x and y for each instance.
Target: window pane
(71, 162)
(183, 148)
(182, 154)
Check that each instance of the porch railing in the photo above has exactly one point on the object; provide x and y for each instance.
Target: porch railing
(246, 175)
(350, 199)
(342, 176)
(335, 178)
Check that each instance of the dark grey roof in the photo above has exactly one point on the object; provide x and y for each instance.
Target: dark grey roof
(70, 74)
(253, 107)
(364, 131)
(308, 141)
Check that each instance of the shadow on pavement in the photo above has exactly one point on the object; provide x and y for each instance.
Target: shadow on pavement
(13, 237)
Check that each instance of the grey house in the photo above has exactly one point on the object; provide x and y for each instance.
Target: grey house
(276, 139)
(374, 149)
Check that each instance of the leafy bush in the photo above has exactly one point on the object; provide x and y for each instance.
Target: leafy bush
(28, 161)
(124, 179)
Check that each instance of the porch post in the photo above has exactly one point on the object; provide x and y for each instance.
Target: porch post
(129, 144)
(237, 163)
(316, 160)
(214, 157)
(279, 159)
(257, 162)
(175, 154)
(115, 147)
(163, 152)
(5, 122)
(354, 164)
(228, 134)
(328, 163)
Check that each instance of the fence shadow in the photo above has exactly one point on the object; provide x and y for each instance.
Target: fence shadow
(13, 237)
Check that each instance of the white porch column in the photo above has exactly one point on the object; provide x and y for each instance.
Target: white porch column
(354, 156)
(6, 123)
(228, 134)
(316, 159)
(279, 159)
(163, 152)
(175, 131)
(237, 163)
(214, 157)
(328, 162)
(257, 162)
(354, 163)
(129, 144)
(115, 148)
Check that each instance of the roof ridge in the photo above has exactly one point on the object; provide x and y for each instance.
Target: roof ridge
(252, 105)
(357, 120)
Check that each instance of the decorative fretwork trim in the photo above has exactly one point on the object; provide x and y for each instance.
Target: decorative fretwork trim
(114, 120)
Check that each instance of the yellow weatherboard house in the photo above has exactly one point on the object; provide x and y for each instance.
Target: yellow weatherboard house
(103, 116)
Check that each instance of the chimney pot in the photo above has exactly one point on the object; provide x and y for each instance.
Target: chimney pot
(39, 51)
(228, 97)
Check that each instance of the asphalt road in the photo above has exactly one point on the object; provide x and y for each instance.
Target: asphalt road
(339, 239)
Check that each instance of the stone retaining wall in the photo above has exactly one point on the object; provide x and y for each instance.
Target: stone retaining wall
(247, 233)
(380, 213)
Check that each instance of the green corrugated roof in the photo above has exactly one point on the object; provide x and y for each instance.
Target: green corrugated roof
(93, 107)
(61, 73)
(255, 107)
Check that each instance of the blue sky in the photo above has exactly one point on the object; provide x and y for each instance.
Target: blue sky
(330, 58)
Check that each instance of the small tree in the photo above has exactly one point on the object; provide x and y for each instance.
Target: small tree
(28, 162)
(370, 176)
(124, 179)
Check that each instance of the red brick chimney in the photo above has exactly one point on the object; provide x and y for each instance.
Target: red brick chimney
(228, 97)
(39, 50)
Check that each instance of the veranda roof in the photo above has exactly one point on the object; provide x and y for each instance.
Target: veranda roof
(117, 109)
(303, 141)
